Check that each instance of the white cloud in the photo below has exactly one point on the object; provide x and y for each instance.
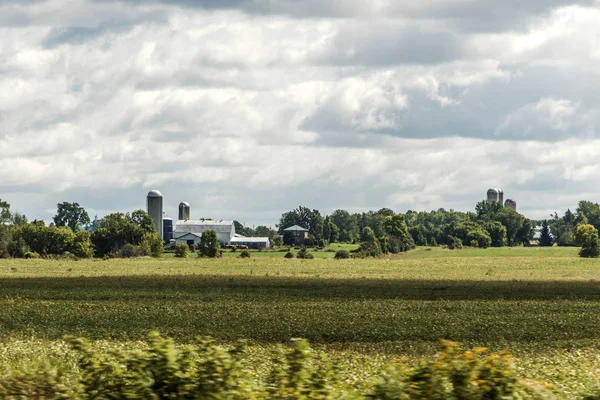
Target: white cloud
(249, 108)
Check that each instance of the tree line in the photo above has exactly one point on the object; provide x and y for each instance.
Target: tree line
(490, 225)
(116, 235)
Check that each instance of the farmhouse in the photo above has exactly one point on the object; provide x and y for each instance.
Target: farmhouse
(298, 233)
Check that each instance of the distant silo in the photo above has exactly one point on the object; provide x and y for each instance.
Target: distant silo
(184, 211)
(154, 206)
(501, 196)
(493, 195)
(510, 203)
(167, 229)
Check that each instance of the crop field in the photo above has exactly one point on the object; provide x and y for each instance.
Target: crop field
(541, 304)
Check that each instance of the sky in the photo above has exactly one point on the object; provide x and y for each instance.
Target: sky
(250, 108)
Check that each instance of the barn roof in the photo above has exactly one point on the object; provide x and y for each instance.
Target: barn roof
(296, 228)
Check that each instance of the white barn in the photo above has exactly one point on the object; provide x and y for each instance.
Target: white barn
(190, 231)
(225, 231)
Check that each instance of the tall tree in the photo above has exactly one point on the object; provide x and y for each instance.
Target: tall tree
(306, 218)
(545, 237)
(5, 214)
(71, 215)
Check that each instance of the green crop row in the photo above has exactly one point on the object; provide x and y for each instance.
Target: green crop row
(162, 370)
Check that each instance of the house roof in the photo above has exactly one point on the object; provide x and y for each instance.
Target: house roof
(296, 228)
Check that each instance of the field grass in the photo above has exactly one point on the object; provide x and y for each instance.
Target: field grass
(542, 304)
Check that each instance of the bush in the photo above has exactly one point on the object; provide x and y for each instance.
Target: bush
(209, 245)
(164, 371)
(31, 254)
(455, 374)
(131, 251)
(304, 254)
(289, 254)
(587, 238)
(342, 254)
(454, 243)
(309, 242)
(182, 250)
(245, 254)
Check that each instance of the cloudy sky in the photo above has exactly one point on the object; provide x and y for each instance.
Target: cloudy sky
(249, 108)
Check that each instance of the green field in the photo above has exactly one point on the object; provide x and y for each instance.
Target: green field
(543, 304)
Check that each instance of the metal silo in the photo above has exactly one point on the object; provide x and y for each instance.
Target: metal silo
(154, 207)
(493, 195)
(500, 196)
(184, 211)
(510, 203)
(167, 229)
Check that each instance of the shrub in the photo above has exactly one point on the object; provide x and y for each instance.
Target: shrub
(289, 254)
(454, 243)
(131, 251)
(209, 244)
(479, 238)
(455, 374)
(341, 254)
(154, 244)
(304, 254)
(309, 242)
(245, 254)
(164, 371)
(587, 238)
(31, 254)
(18, 248)
(182, 250)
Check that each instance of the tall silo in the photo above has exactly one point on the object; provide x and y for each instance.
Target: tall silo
(493, 195)
(500, 196)
(510, 203)
(167, 229)
(154, 207)
(184, 211)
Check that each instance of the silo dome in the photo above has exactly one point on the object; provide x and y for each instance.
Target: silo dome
(510, 203)
(154, 207)
(494, 195)
(154, 193)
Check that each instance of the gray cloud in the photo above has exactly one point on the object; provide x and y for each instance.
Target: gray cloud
(247, 109)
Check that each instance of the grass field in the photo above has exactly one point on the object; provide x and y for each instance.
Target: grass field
(542, 304)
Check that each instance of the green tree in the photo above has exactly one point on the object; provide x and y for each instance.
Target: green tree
(117, 230)
(242, 230)
(5, 218)
(71, 215)
(369, 245)
(347, 225)
(497, 233)
(587, 237)
(5, 214)
(330, 230)
(143, 220)
(480, 238)
(590, 211)
(209, 244)
(546, 239)
(306, 218)
(277, 241)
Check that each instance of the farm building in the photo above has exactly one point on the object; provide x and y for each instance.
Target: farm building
(189, 232)
(298, 233)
